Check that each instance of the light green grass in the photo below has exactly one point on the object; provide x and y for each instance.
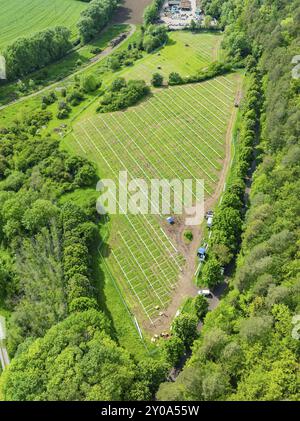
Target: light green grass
(178, 133)
(185, 53)
(23, 17)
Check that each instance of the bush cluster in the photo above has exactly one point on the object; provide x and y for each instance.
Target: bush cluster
(122, 94)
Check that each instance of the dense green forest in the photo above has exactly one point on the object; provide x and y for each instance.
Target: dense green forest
(246, 350)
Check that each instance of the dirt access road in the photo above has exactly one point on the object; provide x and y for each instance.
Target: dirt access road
(131, 11)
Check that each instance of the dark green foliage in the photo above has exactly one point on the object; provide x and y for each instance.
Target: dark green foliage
(154, 37)
(75, 97)
(77, 246)
(152, 11)
(49, 99)
(188, 235)
(211, 273)
(123, 58)
(123, 94)
(173, 349)
(83, 304)
(94, 18)
(25, 55)
(63, 110)
(185, 328)
(175, 79)
(200, 305)
(213, 70)
(89, 83)
(157, 80)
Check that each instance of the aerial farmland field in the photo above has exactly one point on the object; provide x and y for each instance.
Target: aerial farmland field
(181, 132)
(23, 17)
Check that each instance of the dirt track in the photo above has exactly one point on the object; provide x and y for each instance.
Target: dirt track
(131, 11)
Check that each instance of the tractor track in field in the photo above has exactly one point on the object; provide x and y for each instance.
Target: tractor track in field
(185, 286)
(216, 50)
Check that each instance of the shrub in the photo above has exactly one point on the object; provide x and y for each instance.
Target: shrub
(175, 79)
(75, 97)
(157, 80)
(122, 95)
(83, 304)
(188, 235)
(200, 305)
(88, 83)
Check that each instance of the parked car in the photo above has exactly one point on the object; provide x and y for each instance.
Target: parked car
(205, 292)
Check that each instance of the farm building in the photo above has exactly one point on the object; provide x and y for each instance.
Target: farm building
(185, 5)
(172, 3)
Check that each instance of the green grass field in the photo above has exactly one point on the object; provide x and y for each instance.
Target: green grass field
(23, 17)
(185, 53)
(179, 132)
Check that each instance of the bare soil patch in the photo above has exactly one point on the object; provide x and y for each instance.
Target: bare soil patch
(131, 11)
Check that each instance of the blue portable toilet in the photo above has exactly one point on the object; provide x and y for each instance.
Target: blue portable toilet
(170, 220)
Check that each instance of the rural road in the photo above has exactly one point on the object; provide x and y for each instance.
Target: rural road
(95, 60)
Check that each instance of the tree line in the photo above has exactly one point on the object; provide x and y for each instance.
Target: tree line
(94, 18)
(28, 54)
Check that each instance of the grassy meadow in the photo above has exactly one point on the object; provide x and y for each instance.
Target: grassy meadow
(23, 17)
